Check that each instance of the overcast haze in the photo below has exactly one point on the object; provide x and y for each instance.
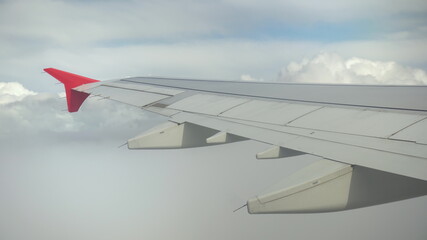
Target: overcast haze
(62, 175)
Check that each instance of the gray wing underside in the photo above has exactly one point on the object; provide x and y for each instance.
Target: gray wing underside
(369, 137)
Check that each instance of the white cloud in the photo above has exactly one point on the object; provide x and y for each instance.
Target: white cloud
(29, 115)
(209, 59)
(249, 78)
(332, 68)
(12, 92)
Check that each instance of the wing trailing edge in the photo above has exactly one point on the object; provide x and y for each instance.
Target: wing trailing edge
(74, 98)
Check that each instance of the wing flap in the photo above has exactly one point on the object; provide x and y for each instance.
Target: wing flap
(416, 133)
(337, 151)
(126, 85)
(207, 104)
(269, 111)
(135, 94)
(131, 97)
(356, 121)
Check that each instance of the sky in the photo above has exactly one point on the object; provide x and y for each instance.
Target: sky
(62, 175)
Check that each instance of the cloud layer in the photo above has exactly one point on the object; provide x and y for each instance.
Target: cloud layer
(12, 92)
(210, 39)
(85, 22)
(28, 115)
(331, 68)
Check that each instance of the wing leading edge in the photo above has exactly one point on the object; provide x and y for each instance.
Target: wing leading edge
(371, 139)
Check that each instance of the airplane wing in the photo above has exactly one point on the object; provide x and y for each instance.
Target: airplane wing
(372, 140)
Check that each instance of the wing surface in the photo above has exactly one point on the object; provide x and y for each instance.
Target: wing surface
(372, 139)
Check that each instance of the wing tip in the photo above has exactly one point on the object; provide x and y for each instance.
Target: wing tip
(70, 80)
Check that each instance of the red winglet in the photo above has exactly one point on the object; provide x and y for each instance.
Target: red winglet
(70, 81)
